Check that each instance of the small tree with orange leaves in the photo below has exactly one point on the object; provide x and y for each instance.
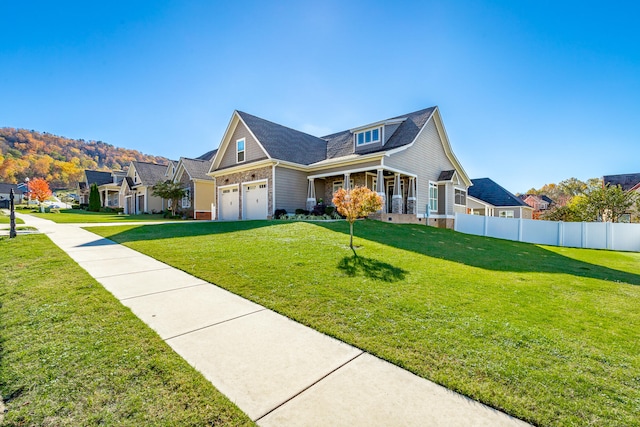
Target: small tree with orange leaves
(356, 203)
(39, 189)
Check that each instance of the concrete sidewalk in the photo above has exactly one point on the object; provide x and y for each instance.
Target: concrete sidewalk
(277, 371)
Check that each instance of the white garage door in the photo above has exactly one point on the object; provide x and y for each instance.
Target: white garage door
(229, 204)
(255, 201)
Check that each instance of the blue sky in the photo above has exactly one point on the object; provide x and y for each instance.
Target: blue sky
(530, 92)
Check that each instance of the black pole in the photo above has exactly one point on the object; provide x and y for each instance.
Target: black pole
(12, 216)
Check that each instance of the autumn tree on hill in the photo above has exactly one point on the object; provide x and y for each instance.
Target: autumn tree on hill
(356, 203)
(39, 190)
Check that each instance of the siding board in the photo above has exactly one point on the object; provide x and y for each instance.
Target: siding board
(253, 151)
(291, 189)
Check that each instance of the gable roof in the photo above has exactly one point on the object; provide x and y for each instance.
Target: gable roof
(283, 143)
(488, 191)
(209, 155)
(149, 173)
(626, 181)
(6, 188)
(98, 177)
(196, 168)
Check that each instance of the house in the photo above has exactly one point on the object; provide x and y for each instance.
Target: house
(262, 166)
(200, 188)
(5, 194)
(108, 183)
(628, 182)
(490, 199)
(539, 203)
(136, 188)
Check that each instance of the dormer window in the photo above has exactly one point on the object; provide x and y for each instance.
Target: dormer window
(240, 150)
(369, 136)
(136, 178)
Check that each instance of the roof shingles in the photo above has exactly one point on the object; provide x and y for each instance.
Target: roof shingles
(488, 191)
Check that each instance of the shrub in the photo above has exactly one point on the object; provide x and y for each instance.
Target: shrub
(302, 212)
(279, 213)
(76, 206)
(94, 199)
(318, 210)
(328, 210)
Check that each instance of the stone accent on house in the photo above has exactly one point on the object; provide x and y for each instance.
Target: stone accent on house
(396, 204)
(247, 176)
(411, 205)
(310, 204)
(359, 180)
(400, 218)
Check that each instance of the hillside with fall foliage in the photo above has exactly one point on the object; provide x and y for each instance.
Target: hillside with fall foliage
(60, 161)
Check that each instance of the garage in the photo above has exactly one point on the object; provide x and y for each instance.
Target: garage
(229, 204)
(255, 201)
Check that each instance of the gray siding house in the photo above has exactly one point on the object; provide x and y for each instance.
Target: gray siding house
(262, 166)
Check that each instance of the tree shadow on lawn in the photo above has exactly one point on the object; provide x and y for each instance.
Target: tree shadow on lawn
(137, 233)
(371, 268)
(482, 252)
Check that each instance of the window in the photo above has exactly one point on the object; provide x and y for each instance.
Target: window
(368, 136)
(339, 184)
(460, 197)
(136, 178)
(433, 197)
(506, 214)
(186, 199)
(240, 150)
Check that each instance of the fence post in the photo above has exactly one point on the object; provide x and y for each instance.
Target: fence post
(455, 221)
(607, 234)
(583, 235)
(560, 233)
(519, 229)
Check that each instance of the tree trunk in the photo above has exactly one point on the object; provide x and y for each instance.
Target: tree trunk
(351, 237)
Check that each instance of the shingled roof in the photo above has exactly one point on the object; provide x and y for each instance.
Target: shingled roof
(209, 155)
(6, 188)
(488, 191)
(197, 168)
(284, 143)
(150, 173)
(288, 144)
(98, 177)
(626, 181)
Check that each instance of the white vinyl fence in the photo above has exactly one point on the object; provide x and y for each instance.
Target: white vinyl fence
(594, 235)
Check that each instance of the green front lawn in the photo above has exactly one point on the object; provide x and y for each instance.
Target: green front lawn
(549, 335)
(72, 355)
(67, 216)
(6, 219)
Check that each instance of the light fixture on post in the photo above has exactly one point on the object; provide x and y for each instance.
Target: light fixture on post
(26, 180)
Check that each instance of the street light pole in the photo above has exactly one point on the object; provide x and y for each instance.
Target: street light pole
(12, 216)
(26, 180)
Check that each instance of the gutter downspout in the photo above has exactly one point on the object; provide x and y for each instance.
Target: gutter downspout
(273, 189)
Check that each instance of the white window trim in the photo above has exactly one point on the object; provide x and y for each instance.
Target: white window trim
(435, 186)
(244, 150)
(454, 196)
(507, 214)
(363, 132)
(341, 181)
(186, 198)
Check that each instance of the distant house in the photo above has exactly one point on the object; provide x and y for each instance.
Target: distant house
(136, 188)
(200, 187)
(539, 203)
(5, 191)
(490, 199)
(262, 166)
(108, 186)
(628, 182)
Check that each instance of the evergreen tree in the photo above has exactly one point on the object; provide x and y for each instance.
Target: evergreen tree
(94, 199)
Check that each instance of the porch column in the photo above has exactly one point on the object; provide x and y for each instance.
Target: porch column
(380, 189)
(311, 195)
(411, 197)
(347, 181)
(396, 201)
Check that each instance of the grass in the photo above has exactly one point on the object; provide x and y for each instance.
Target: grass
(549, 335)
(5, 219)
(67, 216)
(72, 355)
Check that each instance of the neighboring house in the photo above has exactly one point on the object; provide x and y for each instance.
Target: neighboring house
(540, 204)
(5, 193)
(108, 186)
(200, 187)
(262, 166)
(628, 182)
(136, 189)
(490, 199)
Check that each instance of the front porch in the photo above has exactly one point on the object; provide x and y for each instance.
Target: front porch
(397, 189)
